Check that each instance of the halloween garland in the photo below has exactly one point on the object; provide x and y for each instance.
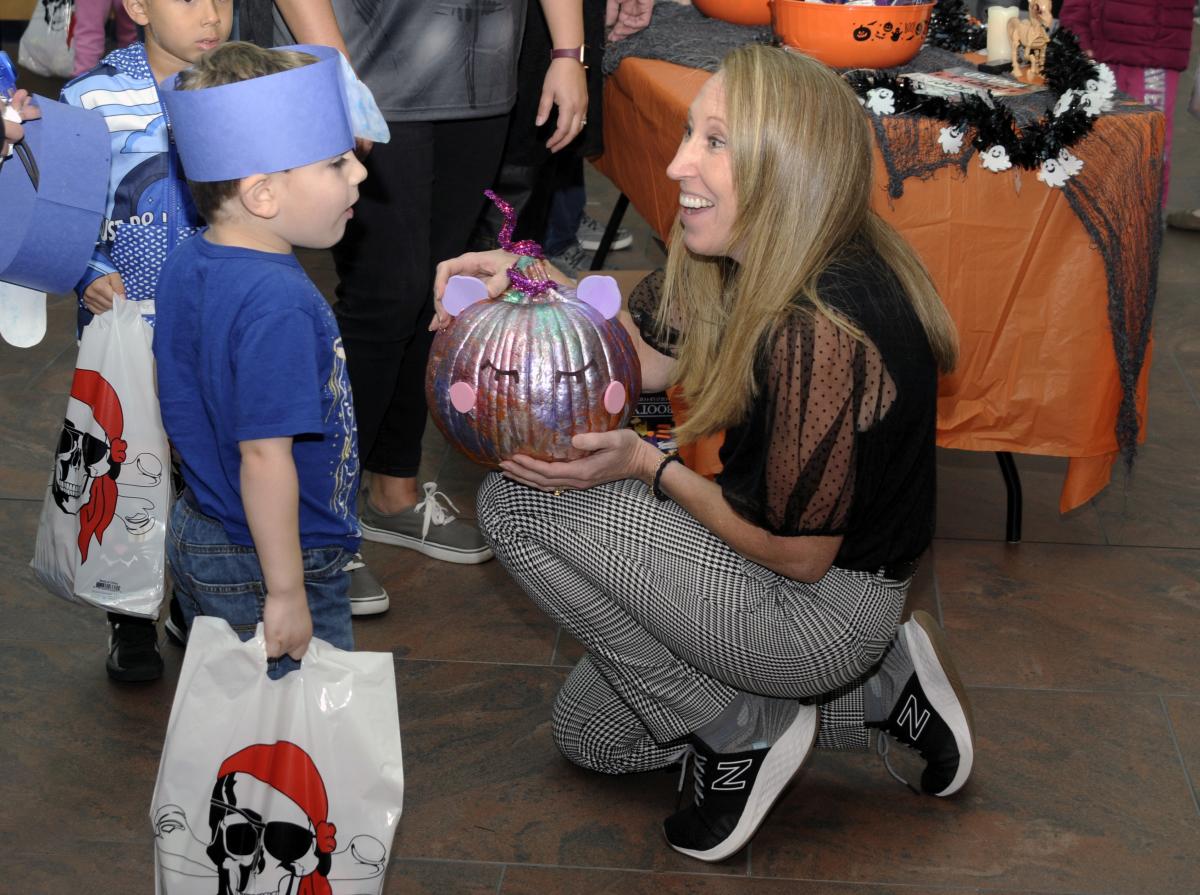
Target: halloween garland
(1081, 90)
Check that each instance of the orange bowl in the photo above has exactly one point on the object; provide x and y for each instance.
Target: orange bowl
(852, 36)
(739, 12)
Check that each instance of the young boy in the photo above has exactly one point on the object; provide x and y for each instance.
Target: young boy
(251, 372)
(149, 209)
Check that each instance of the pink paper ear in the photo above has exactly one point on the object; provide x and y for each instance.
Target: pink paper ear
(602, 293)
(462, 292)
(462, 396)
(614, 397)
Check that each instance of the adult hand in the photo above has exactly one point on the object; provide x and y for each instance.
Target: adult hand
(98, 296)
(612, 456)
(491, 267)
(625, 18)
(287, 624)
(565, 86)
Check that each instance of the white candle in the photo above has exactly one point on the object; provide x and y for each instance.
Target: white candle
(998, 46)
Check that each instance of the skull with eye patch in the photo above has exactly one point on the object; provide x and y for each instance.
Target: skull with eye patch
(523, 373)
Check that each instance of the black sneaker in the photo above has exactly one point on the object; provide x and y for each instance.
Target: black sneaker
(175, 625)
(931, 713)
(735, 790)
(133, 649)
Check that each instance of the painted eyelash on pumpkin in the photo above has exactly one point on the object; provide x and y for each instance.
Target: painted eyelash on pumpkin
(577, 375)
(488, 365)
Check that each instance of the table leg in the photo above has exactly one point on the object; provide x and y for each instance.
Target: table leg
(610, 232)
(1012, 484)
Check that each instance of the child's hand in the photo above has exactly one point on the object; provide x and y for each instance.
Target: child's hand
(287, 624)
(98, 296)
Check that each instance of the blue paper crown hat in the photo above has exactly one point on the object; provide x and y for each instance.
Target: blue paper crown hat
(51, 209)
(263, 125)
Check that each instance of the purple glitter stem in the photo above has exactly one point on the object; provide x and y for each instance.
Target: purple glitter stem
(531, 286)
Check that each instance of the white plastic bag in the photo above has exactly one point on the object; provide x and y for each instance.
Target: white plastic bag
(290, 785)
(44, 47)
(102, 535)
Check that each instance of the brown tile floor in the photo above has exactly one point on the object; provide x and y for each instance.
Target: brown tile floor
(1081, 647)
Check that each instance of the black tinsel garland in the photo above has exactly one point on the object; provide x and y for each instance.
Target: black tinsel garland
(1067, 67)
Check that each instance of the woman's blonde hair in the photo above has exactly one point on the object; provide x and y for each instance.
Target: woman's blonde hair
(800, 148)
(229, 64)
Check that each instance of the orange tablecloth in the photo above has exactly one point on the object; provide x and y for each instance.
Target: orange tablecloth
(1037, 372)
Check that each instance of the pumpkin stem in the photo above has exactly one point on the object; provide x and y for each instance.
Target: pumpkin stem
(537, 282)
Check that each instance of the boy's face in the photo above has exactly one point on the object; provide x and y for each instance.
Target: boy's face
(315, 201)
(179, 32)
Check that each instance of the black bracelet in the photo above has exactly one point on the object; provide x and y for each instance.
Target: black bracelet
(656, 488)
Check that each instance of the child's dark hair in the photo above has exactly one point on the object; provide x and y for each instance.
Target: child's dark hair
(229, 64)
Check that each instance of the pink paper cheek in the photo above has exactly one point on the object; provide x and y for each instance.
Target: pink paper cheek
(462, 396)
(614, 397)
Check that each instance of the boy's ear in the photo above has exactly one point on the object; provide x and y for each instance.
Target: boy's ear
(259, 195)
(138, 11)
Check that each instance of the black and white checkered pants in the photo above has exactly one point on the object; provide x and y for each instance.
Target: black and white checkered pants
(675, 622)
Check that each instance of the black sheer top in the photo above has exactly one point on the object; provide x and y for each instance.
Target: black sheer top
(839, 439)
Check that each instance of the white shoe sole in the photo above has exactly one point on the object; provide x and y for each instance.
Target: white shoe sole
(370, 605)
(782, 764)
(948, 697)
(434, 551)
(591, 245)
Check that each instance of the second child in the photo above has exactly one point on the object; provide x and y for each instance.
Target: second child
(251, 370)
(149, 209)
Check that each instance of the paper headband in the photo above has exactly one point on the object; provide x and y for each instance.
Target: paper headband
(262, 125)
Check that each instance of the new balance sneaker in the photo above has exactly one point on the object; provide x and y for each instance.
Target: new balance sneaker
(367, 596)
(735, 790)
(929, 708)
(427, 528)
(133, 649)
(175, 625)
(572, 260)
(591, 231)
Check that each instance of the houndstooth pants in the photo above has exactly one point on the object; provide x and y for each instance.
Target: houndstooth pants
(675, 622)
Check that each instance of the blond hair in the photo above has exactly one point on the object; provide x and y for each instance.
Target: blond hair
(800, 148)
(229, 64)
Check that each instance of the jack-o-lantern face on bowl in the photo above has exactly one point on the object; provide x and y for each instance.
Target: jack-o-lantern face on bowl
(522, 374)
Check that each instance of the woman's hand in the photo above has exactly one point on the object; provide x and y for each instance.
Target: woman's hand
(624, 18)
(565, 86)
(619, 454)
(491, 267)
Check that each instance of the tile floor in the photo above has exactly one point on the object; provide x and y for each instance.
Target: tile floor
(1081, 648)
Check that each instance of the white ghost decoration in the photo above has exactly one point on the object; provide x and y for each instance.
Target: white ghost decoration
(951, 139)
(1056, 171)
(881, 101)
(1095, 98)
(995, 158)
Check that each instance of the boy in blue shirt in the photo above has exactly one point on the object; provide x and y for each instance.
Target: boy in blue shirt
(251, 372)
(149, 209)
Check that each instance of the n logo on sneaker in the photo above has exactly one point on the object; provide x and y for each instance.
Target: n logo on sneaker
(913, 718)
(731, 774)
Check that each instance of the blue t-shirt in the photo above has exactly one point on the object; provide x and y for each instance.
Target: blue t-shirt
(247, 348)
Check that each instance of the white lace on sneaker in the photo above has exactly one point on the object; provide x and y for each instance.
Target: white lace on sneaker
(435, 513)
(355, 563)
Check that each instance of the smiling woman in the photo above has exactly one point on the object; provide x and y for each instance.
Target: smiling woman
(742, 619)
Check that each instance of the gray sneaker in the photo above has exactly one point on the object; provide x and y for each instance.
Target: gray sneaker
(367, 596)
(427, 528)
(572, 260)
(591, 231)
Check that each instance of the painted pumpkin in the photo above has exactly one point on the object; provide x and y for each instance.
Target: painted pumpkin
(522, 373)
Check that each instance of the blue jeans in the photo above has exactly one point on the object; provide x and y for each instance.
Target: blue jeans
(216, 577)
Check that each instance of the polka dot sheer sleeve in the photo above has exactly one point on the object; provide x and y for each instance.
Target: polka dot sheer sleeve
(821, 389)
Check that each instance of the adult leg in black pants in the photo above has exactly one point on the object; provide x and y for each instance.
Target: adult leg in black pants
(423, 193)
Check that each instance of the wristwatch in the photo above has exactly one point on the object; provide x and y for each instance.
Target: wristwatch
(575, 53)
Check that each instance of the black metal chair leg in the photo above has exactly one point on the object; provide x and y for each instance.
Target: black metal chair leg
(610, 232)
(1012, 484)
